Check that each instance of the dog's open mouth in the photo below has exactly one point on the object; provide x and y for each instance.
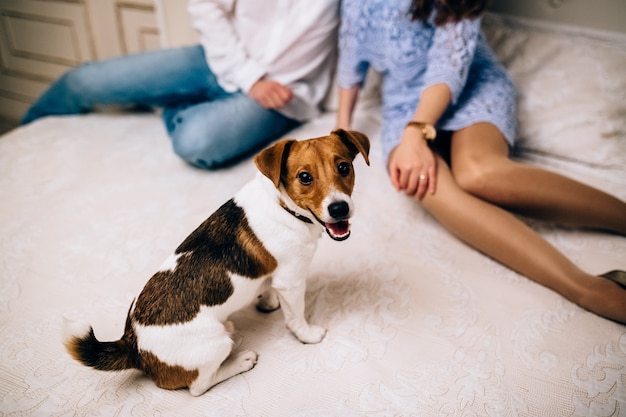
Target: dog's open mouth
(339, 230)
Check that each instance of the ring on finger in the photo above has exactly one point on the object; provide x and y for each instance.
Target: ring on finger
(423, 177)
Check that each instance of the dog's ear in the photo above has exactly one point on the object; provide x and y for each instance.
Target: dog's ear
(355, 141)
(271, 161)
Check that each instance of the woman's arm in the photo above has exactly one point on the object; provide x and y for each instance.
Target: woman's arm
(352, 66)
(449, 59)
(412, 157)
(347, 101)
(451, 54)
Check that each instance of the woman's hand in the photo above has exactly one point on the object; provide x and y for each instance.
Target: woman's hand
(412, 166)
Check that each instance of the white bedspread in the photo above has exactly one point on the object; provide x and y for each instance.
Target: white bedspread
(419, 324)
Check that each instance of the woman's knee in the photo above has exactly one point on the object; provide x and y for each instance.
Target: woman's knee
(477, 176)
(480, 159)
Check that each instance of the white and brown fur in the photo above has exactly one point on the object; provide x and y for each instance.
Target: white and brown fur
(257, 246)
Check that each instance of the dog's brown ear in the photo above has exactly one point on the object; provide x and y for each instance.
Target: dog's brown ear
(355, 141)
(271, 161)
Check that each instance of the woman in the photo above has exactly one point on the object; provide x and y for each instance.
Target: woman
(438, 72)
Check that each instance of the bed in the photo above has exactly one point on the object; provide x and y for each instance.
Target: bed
(419, 324)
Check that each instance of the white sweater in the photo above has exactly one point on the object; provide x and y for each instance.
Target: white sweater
(292, 42)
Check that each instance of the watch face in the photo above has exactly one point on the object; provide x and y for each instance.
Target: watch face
(430, 132)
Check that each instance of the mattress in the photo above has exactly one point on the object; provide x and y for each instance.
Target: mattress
(418, 323)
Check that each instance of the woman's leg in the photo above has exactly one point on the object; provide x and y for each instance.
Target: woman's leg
(481, 166)
(511, 242)
(222, 131)
(156, 78)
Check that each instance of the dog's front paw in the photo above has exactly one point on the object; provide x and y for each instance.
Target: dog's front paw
(312, 334)
(245, 360)
(268, 301)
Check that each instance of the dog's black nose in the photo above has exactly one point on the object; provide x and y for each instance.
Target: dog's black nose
(339, 210)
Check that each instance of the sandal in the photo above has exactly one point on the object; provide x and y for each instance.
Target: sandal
(617, 276)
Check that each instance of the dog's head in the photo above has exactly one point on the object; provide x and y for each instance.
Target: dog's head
(317, 176)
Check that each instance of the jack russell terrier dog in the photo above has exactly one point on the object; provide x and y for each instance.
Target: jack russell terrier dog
(257, 246)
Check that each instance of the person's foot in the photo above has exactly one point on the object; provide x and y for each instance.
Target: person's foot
(617, 276)
(605, 295)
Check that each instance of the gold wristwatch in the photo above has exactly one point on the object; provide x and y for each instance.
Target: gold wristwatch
(428, 130)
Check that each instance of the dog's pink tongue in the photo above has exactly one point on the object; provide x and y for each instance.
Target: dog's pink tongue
(338, 230)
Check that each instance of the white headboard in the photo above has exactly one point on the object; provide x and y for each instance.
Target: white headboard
(607, 16)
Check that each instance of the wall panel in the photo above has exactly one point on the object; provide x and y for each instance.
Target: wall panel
(42, 39)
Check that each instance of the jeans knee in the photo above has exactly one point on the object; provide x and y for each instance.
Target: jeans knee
(194, 152)
(195, 148)
(213, 134)
(77, 81)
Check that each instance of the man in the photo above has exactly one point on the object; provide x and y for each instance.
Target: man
(262, 68)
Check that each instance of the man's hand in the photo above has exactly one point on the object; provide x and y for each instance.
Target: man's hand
(270, 94)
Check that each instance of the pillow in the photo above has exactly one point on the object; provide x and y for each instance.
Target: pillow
(571, 87)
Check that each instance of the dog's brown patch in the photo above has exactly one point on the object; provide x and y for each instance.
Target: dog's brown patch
(166, 376)
(222, 245)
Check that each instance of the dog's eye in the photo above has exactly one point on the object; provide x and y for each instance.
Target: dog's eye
(344, 169)
(305, 178)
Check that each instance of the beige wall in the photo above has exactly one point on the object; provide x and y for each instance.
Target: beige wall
(606, 15)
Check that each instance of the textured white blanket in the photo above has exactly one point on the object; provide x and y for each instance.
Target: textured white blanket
(419, 324)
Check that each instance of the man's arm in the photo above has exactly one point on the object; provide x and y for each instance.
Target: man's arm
(225, 53)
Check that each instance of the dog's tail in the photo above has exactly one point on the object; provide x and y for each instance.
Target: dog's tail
(80, 341)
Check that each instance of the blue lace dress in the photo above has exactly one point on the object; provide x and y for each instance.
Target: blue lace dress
(413, 55)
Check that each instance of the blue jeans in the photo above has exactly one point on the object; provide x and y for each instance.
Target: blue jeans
(208, 126)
